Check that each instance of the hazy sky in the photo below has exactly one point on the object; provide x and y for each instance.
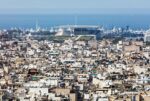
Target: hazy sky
(74, 6)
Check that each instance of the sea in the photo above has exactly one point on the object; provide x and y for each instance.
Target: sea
(109, 21)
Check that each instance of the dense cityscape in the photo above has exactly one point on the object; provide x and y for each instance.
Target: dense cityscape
(74, 50)
(75, 63)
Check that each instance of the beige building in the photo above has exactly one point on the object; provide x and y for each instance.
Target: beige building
(131, 48)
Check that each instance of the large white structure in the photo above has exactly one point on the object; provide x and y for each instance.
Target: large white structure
(72, 30)
(147, 36)
(60, 32)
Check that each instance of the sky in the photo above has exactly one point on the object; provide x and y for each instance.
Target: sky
(74, 6)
